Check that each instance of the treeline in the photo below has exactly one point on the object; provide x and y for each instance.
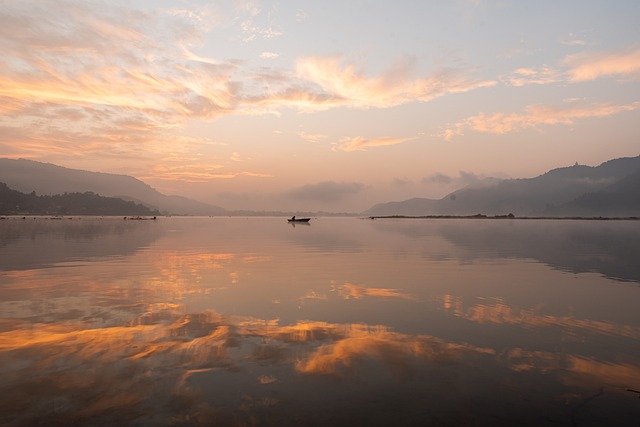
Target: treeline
(13, 202)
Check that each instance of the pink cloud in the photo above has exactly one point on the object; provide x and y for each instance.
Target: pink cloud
(592, 65)
(534, 116)
(359, 143)
(394, 87)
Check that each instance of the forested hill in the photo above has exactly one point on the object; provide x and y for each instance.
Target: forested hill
(610, 189)
(13, 202)
(45, 178)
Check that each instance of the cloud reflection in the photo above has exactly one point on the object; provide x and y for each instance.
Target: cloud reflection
(352, 291)
(68, 373)
(500, 313)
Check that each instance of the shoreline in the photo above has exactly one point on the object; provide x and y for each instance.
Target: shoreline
(510, 216)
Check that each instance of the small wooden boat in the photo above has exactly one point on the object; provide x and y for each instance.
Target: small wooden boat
(294, 219)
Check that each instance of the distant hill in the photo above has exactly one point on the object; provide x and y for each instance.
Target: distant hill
(48, 179)
(13, 202)
(610, 189)
(619, 199)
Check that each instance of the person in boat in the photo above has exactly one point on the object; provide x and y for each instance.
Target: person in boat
(293, 218)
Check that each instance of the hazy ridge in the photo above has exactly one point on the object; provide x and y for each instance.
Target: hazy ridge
(49, 179)
(610, 189)
(13, 202)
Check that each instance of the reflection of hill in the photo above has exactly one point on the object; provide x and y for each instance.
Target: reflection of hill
(606, 247)
(32, 243)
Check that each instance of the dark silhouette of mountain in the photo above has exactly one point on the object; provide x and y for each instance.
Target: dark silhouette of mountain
(13, 202)
(619, 199)
(610, 188)
(48, 179)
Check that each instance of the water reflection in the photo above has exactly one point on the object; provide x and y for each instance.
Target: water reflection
(39, 242)
(606, 247)
(165, 362)
(351, 290)
(503, 314)
(253, 322)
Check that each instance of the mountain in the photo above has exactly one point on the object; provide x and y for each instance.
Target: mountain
(610, 189)
(13, 202)
(619, 199)
(48, 179)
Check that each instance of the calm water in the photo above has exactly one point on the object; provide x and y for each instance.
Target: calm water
(253, 321)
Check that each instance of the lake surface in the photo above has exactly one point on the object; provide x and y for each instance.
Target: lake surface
(346, 321)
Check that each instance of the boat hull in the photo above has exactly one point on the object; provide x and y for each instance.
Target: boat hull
(299, 220)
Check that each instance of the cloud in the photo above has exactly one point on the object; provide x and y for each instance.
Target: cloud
(249, 12)
(312, 137)
(527, 76)
(328, 191)
(359, 143)
(269, 55)
(113, 80)
(463, 179)
(437, 178)
(301, 15)
(580, 67)
(573, 40)
(394, 87)
(196, 172)
(593, 65)
(109, 67)
(535, 116)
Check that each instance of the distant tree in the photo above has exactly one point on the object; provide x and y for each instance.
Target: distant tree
(13, 202)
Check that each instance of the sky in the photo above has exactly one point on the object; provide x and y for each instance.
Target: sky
(319, 105)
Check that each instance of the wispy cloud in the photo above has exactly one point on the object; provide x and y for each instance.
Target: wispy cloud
(535, 116)
(463, 179)
(104, 77)
(269, 55)
(574, 40)
(114, 80)
(395, 86)
(249, 13)
(197, 172)
(301, 15)
(527, 76)
(581, 67)
(312, 137)
(359, 143)
(593, 65)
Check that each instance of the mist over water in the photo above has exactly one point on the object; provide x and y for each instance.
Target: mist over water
(254, 321)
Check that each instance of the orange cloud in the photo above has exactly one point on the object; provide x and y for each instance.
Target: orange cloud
(592, 65)
(526, 76)
(102, 83)
(534, 116)
(581, 67)
(359, 143)
(198, 173)
(394, 87)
